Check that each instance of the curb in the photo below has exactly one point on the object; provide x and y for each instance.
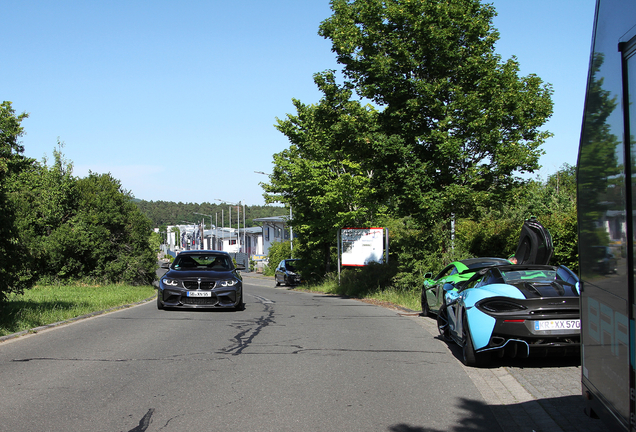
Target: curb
(70, 320)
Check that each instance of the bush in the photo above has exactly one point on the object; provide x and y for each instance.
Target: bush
(278, 251)
(362, 281)
(268, 271)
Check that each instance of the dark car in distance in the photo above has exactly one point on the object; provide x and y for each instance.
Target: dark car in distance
(286, 273)
(201, 279)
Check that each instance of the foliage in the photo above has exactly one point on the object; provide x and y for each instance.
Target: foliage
(45, 199)
(495, 232)
(419, 250)
(373, 291)
(448, 129)
(80, 228)
(14, 273)
(327, 188)
(278, 251)
(155, 241)
(120, 235)
(362, 281)
(458, 121)
(172, 213)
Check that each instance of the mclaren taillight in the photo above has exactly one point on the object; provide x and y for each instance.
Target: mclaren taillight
(498, 306)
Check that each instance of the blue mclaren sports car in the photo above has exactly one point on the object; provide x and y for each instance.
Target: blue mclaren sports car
(513, 310)
(517, 310)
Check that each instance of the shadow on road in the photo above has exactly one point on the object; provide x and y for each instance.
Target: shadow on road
(563, 413)
(477, 416)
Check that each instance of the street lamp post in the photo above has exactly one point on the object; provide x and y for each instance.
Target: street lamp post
(238, 220)
(187, 224)
(291, 231)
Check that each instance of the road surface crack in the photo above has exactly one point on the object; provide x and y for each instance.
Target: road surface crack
(245, 338)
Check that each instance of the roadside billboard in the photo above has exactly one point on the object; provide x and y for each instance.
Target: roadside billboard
(362, 246)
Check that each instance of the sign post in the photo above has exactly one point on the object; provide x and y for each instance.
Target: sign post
(358, 247)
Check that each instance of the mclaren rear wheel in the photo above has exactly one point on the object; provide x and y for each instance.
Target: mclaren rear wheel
(426, 310)
(470, 357)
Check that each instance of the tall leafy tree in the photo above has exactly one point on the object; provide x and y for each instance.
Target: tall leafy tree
(320, 175)
(72, 228)
(116, 231)
(13, 274)
(463, 121)
(45, 199)
(448, 129)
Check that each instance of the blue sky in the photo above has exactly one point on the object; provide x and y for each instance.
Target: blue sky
(178, 99)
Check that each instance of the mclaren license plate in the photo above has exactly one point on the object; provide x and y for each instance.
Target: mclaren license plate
(199, 294)
(571, 324)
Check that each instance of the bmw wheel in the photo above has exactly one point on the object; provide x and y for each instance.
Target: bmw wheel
(159, 304)
(240, 306)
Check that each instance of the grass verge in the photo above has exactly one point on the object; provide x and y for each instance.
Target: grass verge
(408, 299)
(43, 305)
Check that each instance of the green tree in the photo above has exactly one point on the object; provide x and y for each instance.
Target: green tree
(320, 176)
(117, 233)
(45, 198)
(495, 232)
(462, 121)
(74, 228)
(14, 275)
(278, 251)
(449, 128)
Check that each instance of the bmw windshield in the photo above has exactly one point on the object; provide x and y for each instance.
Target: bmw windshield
(202, 262)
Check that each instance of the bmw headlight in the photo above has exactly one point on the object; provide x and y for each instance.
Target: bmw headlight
(170, 282)
(227, 283)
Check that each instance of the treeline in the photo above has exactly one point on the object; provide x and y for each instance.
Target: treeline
(55, 227)
(425, 130)
(172, 213)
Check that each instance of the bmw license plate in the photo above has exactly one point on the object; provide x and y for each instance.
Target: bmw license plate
(199, 294)
(572, 324)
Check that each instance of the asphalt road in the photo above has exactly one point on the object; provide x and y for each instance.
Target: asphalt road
(291, 361)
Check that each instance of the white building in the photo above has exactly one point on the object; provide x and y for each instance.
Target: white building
(275, 229)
